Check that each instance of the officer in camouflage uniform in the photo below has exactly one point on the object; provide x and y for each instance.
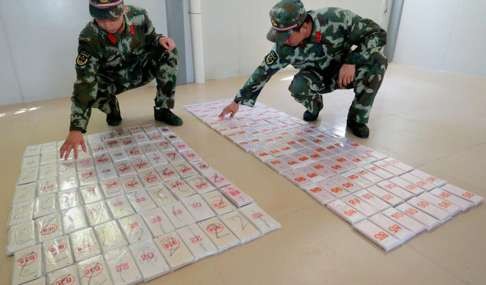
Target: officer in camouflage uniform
(320, 44)
(118, 51)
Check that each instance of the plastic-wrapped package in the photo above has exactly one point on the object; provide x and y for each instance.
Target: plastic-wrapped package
(460, 202)
(21, 236)
(362, 206)
(73, 220)
(87, 176)
(149, 260)
(378, 171)
(407, 185)
(390, 186)
(32, 150)
(91, 193)
(131, 183)
(122, 266)
(135, 229)
(24, 193)
(404, 220)
(429, 181)
(346, 212)
(235, 195)
(178, 214)
(49, 227)
(140, 163)
(219, 233)
(184, 169)
(166, 172)
(111, 187)
(354, 175)
(47, 185)
(430, 209)
(388, 197)
(440, 203)
(28, 175)
(470, 196)
(378, 235)
(218, 202)
(67, 275)
(174, 250)
(45, 205)
(97, 213)
(140, 200)
(319, 193)
(428, 221)
(68, 182)
(216, 178)
(180, 188)
(161, 195)
(200, 184)
(240, 226)
(150, 178)
(372, 200)
(94, 271)
(157, 221)
(106, 171)
(197, 241)
(57, 253)
(263, 221)
(27, 265)
(198, 208)
(124, 168)
(84, 244)
(21, 212)
(392, 227)
(110, 236)
(69, 199)
(120, 207)
(156, 158)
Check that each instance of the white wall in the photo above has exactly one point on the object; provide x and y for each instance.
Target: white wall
(9, 87)
(235, 31)
(452, 38)
(43, 36)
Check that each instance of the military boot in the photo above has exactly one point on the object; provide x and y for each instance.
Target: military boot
(166, 116)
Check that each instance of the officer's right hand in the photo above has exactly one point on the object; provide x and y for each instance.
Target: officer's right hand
(230, 109)
(72, 142)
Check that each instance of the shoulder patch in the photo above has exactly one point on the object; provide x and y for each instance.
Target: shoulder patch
(271, 58)
(82, 59)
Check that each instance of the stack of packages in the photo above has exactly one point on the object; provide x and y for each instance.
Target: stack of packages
(139, 204)
(386, 200)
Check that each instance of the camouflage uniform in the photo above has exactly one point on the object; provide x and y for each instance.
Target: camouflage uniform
(320, 57)
(109, 64)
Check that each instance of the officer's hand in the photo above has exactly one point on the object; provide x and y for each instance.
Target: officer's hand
(167, 43)
(346, 75)
(72, 142)
(230, 109)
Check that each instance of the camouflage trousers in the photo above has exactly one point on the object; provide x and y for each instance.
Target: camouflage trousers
(308, 85)
(157, 64)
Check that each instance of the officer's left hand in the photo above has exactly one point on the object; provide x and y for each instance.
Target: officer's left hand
(167, 43)
(346, 75)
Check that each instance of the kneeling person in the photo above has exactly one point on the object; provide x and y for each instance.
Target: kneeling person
(320, 44)
(118, 51)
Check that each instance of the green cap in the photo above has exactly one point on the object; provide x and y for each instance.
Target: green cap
(286, 15)
(106, 9)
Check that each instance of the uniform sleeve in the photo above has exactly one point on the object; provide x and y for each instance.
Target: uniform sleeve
(369, 38)
(150, 34)
(85, 87)
(254, 85)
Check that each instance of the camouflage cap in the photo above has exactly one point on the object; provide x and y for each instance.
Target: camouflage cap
(286, 15)
(106, 9)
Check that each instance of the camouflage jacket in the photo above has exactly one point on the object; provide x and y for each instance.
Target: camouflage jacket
(107, 60)
(335, 32)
